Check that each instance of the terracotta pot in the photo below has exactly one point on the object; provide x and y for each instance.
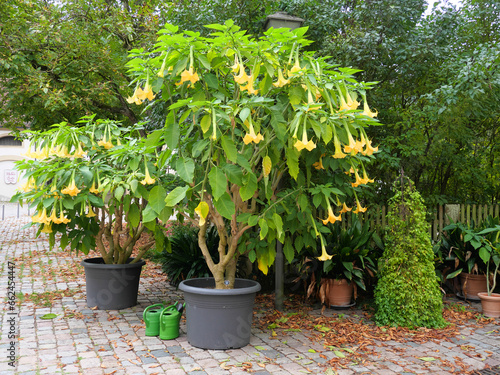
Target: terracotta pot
(472, 285)
(490, 304)
(339, 292)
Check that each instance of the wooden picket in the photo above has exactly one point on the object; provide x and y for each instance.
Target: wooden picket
(441, 216)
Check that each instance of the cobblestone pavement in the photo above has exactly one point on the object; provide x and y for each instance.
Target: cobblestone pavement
(80, 340)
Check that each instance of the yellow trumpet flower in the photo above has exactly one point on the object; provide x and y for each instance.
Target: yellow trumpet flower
(71, 189)
(359, 181)
(62, 219)
(147, 179)
(319, 164)
(93, 189)
(105, 143)
(366, 109)
(324, 255)
(41, 217)
(79, 153)
(242, 77)
(309, 145)
(331, 217)
(281, 80)
(91, 213)
(358, 207)
(53, 216)
(47, 228)
(135, 98)
(345, 208)
(249, 86)
(251, 136)
(338, 150)
(189, 75)
(147, 93)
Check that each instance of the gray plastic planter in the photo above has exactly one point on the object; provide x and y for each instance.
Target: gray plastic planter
(219, 318)
(112, 286)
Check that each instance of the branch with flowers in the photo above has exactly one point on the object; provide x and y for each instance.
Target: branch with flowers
(264, 135)
(97, 184)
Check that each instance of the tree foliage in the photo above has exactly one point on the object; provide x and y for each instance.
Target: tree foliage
(59, 61)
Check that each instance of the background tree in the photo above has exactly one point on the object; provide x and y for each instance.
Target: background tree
(62, 60)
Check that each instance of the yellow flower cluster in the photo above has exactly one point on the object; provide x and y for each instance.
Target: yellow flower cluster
(140, 95)
(42, 218)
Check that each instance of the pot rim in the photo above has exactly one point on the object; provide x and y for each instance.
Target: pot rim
(485, 295)
(190, 286)
(96, 263)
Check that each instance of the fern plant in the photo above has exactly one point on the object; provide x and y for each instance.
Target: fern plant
(408, 293)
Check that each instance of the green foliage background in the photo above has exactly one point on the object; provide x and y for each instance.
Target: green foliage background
(439, 76)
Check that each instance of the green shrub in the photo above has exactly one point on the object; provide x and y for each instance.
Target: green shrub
(408, 293)
(184, 259)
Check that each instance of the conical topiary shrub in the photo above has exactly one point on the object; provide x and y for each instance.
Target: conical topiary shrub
(407, 293)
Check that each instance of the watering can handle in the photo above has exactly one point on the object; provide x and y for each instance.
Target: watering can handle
(150, 307)
(167, 309)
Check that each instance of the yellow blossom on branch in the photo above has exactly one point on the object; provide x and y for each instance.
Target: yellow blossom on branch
(71, 189)
(251, 136)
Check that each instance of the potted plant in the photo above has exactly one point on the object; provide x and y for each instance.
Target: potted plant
(94, 183)
(490, 254)
(249, 123)
(461, 245)
(346, 263)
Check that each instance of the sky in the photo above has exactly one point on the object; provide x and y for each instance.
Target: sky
(430, 3)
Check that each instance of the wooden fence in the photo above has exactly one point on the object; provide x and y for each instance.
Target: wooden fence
(465, 213)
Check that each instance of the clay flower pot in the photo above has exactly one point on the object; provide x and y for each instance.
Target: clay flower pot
(490, 304)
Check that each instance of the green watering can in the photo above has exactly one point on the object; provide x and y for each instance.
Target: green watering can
(151, 316)
(169, 322)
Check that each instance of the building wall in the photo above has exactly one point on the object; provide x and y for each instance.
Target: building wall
(10, 179)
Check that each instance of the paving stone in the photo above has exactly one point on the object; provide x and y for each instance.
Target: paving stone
(105, 342)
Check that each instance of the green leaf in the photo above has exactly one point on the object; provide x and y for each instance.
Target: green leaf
(244, 113)
(288, 250)
(157, 197)
(225, 206)
(428, 359)
(148, 214)
(249, 187)
(292, 160)
(185, 169)
(153, 139)
(119, 191)
(229, 149)
(49, 316)
(234, 174)
(172, 131)
(278, 221)
(218, 182)
(264, 228)
(134, 216)
(484, 254)
(339, 354)
(176, 195)
(205, 122)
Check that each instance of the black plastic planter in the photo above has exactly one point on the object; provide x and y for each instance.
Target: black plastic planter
(219, 318)
(112, 286)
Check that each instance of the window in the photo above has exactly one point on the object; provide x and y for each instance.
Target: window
(10, 141)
